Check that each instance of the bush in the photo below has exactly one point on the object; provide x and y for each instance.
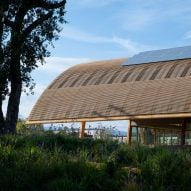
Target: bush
(166, 170)
(59, 162)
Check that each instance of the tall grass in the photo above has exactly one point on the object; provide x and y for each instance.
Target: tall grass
(58, 162)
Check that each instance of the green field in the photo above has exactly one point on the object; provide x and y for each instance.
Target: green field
(58, 162)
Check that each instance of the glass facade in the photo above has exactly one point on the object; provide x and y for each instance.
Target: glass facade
(149, 136)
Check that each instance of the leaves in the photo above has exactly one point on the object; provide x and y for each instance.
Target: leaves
(29, 27)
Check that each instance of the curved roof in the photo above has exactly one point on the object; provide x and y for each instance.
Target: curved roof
(108, 90)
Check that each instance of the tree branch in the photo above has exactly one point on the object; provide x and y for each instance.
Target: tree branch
(27, 5)
(9, 23)
(37, 22)
(44, 4)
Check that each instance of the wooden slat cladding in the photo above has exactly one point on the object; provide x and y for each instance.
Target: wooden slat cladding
(186, 69)
(76, 80)
(109, 72)
(141, 74)
(64, 81)
(127, 75)
(108, 89)
(167, 96)
(114, 76)
(88, 78)
(98, 81)
(155, 73)
(170, 72)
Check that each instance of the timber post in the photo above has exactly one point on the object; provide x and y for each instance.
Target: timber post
(183, 132)
(155, 136)
(142, 136)
(129, 132)
(82, 129)
(137, 135)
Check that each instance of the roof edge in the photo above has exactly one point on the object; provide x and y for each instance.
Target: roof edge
(91, 119)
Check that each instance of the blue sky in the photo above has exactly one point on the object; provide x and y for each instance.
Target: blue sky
(107, 29)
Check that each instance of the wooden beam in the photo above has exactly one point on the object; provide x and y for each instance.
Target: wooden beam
(161, 128)
(183, 130)
(82, 129)
(112, 118)
(151, 125)
(129, 132)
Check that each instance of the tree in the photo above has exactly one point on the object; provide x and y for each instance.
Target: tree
(27, 28)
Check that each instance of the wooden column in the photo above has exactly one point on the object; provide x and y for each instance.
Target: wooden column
(82, 129)
(142, 137)
(155, 136)
(129, 132)
(164, 136)
(171, 137)
(183, 130)
(137, 134)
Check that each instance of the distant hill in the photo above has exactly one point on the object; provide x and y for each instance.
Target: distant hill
(119, 133)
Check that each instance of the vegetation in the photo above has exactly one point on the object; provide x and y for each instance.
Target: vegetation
(58, 162)
(27, 28)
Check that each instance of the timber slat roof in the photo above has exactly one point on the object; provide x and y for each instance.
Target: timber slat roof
(108, 89)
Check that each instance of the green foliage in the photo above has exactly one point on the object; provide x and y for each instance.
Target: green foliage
(58, 162)
(166, 171)
(30, 166)
(27, 29)
(22, 128)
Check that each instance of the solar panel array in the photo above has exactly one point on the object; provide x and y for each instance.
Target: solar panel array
(162, 55)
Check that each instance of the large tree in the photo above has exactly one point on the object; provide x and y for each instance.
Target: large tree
(27, 27)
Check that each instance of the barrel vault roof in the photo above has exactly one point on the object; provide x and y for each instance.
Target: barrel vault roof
(106, 89)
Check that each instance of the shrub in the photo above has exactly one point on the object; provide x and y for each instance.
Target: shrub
(166, 170)
(59, 162)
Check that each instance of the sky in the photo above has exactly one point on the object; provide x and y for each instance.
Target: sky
(101, 30)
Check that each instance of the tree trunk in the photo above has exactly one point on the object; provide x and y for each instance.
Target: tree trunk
(2, 121)
(1, 80)
(13, 108)
(14, 98)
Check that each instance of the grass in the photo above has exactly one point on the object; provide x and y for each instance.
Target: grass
(58, 162)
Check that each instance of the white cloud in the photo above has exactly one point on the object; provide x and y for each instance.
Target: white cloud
(131, 46)
(138, 15)
(78, 35)
(56, 65)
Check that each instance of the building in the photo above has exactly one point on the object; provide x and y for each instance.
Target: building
(153, 94)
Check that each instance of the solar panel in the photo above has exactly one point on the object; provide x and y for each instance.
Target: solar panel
(162, 55)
